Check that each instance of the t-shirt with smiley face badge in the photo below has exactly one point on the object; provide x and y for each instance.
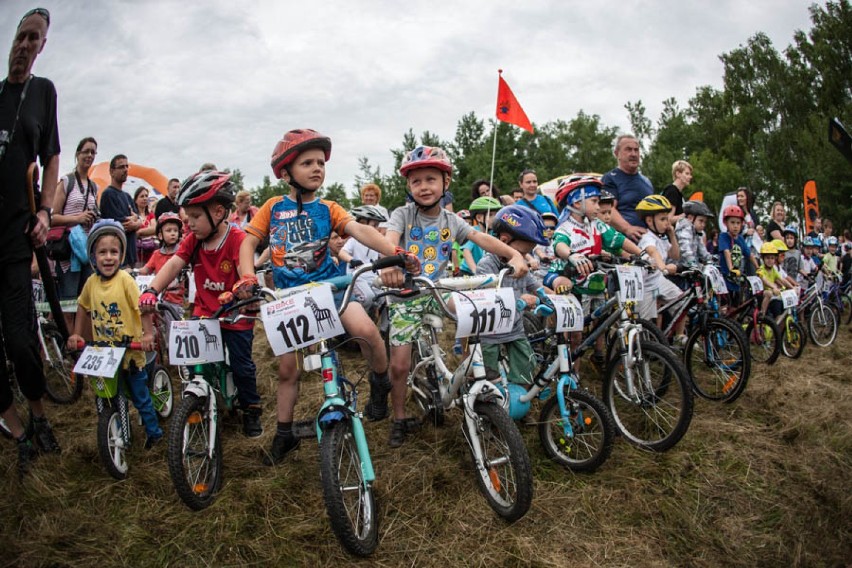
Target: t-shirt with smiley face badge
(429, 238)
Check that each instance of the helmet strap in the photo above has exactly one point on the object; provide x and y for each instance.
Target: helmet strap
(423, 207)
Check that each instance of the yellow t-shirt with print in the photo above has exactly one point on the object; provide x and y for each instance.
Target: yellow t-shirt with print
(770, 275)
(113, 305)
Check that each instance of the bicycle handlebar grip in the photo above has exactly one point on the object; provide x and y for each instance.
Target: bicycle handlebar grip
(388, 261)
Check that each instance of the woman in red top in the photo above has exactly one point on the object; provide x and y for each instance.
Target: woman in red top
(146, 242)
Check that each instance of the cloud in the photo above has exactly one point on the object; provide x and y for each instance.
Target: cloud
(175, 84)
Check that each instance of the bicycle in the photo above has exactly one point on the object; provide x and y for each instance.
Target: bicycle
(504, 475)
(764, 336)
(793, 335)
(60, 382)
(821, 319)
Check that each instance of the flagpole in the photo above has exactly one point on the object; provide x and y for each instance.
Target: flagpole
(494, 146)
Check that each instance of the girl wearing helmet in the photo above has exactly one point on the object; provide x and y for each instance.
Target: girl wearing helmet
(482, 211)
(689, 233)
(212, 247)
(520, 228)
(169, 232)
(425, 229)
(786, 280)
(108, 305)
(300, 228)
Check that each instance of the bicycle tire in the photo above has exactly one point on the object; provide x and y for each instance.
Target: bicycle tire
(659, 414)
(847, 307)
(718, 360)
(60, 380)
(764, 340)
(505, 476)
(793, 339)
(349, 500)
(822, 326)
(162, 393)
(594, 431)
(650, 333)
(195, 475)
(111, 447)
(4, 429)
(427, 395)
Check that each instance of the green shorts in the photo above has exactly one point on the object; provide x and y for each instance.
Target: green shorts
(520, 355)
(406, 318)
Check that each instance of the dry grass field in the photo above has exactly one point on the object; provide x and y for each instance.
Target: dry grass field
(761, 482)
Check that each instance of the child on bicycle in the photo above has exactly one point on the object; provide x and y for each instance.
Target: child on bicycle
(772, 280)
(212, 248)
(734, 250)
(426, 230)
(355, 254)
(520, 228)
(661, 245)
(169, 232)
(829, 259)
(787, 282)
(689, 232)
(109, 303)
(808, 264)
(482, 210)
(793, 258)
(299, 226)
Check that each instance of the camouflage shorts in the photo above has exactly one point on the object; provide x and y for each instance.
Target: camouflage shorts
(406, 318)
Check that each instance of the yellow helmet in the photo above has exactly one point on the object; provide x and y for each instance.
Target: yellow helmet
(768, 248)
(779, 244)
(653, 204)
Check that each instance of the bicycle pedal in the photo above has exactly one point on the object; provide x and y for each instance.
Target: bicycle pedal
(304, 429)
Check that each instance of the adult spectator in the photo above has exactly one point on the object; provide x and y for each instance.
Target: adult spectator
(530, 196)
(371, 194)
(775, 228)
(168, 204)
(484, 188)
(681, 177)
(517, 194)
(713, 242)
(29, 124)
(745, 199)
(75, 203)
(146, 241)
(628, 186)
(245, 211)
(118, 205)
(816, 228)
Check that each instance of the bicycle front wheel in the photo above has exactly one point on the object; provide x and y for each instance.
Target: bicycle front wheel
(504, 475)
(822, 325)
(349, 498)
(593, 432)
(195, 457)
(718, 360)
(424, 388)
(162, 395)
(764, 340)
(653, 408)
(60, 380)
(111, 446)
(793, 338)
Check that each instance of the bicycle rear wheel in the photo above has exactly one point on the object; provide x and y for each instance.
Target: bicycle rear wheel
(593, 431)
(718, 360)
(793, 338)
(112, 448)
(349, 499)
(60, 381)
(822, 325)
(504, 476)
(162, 395)
(764, 340)
(195, 467)
(654, 409)
(424, 388)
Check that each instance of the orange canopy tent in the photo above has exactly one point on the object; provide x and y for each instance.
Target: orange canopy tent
(137, 176)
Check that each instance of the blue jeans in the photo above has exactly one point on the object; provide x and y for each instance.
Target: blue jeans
(141, 397)
(245, 373)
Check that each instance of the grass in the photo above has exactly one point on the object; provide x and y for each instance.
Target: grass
(761, 482)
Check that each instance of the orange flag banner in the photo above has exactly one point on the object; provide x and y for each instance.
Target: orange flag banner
(508, 108)
(811, 205)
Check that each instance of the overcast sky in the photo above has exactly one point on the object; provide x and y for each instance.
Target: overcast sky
(176, 84)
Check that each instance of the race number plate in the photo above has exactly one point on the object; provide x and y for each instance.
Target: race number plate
(569, 313)
(756, 284)
(790, 298)
(717, 281)
(484, 312)
(307, 315)
(99, 361)
(144, 281)
(195, 341)
(631, 285)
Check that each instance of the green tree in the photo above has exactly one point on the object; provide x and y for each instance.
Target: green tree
(336, 192)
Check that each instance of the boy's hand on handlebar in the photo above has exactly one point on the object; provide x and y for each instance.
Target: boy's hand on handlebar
(245, 286)
(147, 342)
(582, 264)
(148, 301)
(392, 277)
(412, 263)
(519, 266)
(75, 342)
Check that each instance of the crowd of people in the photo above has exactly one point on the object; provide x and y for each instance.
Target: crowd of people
(205, 224)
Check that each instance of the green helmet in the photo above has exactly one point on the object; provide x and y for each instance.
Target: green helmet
(484, 204)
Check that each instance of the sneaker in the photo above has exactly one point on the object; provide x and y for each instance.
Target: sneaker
(679, 341)
(377, 406)
(252, 428)
(26, 456)
(399, 430)
(42, 435)
(153, 441)
(281, 446)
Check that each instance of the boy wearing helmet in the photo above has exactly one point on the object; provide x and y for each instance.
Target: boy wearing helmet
(772, 280)
(793, 258)
(786, 281)
(300, 227)
(734, 252)
(520, 228)
(808, 265)
(829, 259)
(109, 305)
(482, 210)
(661, 245)
(426, 230)
(212, 247)
(689, 232)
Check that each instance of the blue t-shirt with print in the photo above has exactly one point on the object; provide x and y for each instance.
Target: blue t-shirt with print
(740, 254)
(629, 190)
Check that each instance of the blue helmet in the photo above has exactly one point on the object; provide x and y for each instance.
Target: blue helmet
(808, 242)
(521, 222)
(98, 230)
(817, 242)
(831, 241)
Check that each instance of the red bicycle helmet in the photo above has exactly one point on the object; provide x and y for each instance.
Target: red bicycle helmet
(567, 195)
(294, 143)
(169, 217)
(733, 211)
(426, 157)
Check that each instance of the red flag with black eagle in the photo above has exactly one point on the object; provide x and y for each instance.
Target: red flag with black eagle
(508, 108)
